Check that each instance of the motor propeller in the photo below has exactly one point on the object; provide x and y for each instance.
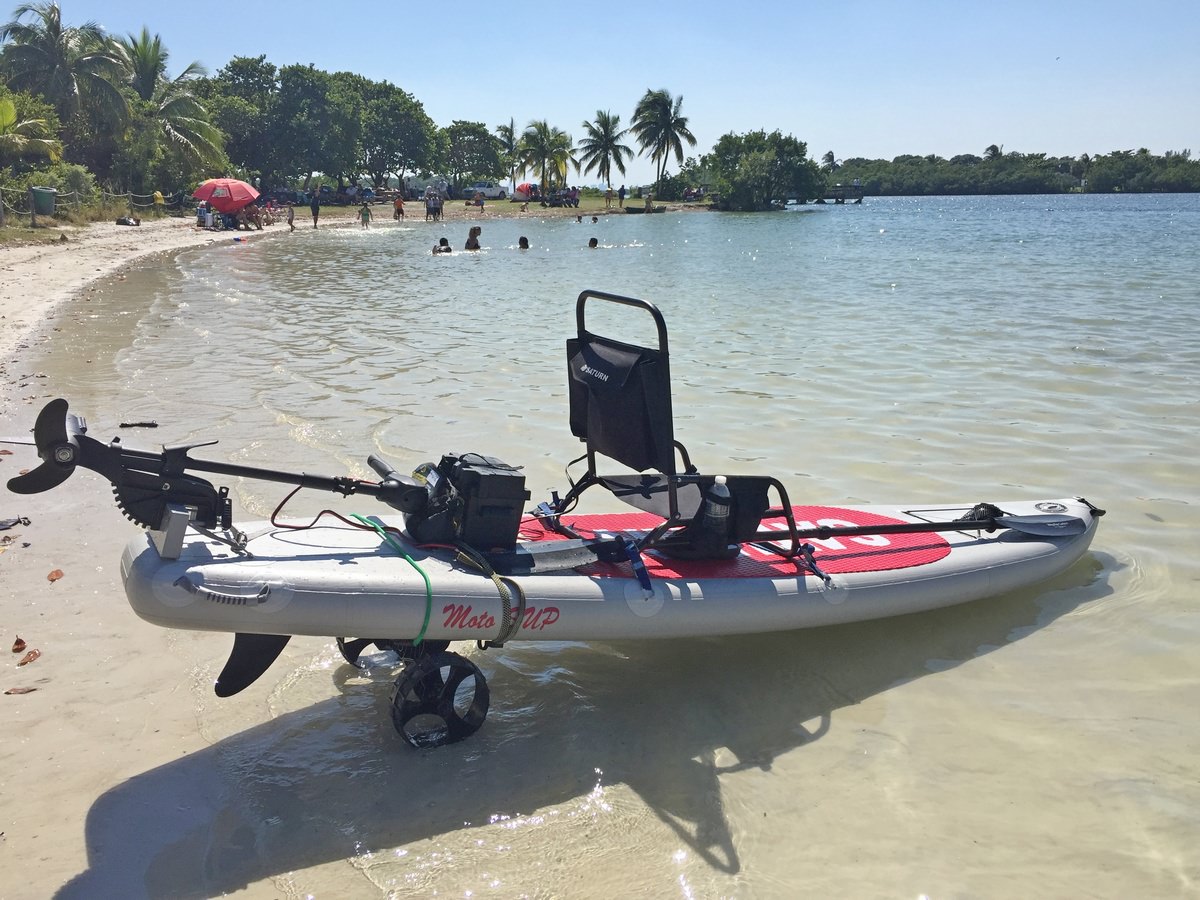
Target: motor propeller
(56, 436)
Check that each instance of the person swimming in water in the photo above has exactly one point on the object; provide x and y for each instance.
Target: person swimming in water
(473, 238)
(442, 246)
(593, 244)
(522, 243)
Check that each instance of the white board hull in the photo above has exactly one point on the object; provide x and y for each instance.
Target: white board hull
(341, 581)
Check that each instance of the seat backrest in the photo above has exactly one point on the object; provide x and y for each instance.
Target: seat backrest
(620, 401)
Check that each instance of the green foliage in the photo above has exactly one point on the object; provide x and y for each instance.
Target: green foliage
(69, 66)
(997, 172)
(661, 128)
(23, 135)
(755, 170)
(63, 177)
(397, 136)
(1124, 171)
(602, 149)
(29, 106)
(547, 152)
(473, 153)
(509, 149)
(671, 188)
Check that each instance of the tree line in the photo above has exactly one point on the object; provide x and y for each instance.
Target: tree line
(81, 109)
(997, 172)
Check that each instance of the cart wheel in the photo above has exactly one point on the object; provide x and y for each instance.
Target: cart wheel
(440, 699)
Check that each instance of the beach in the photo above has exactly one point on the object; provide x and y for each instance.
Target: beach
(59, 751)
(1039, 743)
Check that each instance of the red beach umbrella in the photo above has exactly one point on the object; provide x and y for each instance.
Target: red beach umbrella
(226, 195)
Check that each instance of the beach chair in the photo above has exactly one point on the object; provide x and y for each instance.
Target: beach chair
(619, 396)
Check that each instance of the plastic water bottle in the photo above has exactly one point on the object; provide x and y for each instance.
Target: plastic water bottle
(714, 522)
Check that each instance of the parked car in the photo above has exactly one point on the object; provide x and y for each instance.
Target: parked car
(489, 189)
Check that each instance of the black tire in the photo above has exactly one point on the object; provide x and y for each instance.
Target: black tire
(440, 699)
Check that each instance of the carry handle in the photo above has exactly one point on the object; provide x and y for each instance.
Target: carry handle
(659, 321)
(382, 469)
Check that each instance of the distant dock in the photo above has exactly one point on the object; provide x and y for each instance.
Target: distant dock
(842, 193)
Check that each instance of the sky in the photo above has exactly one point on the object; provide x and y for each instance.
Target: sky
(865, 78)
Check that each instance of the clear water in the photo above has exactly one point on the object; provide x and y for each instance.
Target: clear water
(925, 350)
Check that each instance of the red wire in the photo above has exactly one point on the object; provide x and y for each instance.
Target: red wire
(329, 512)
(324, 512)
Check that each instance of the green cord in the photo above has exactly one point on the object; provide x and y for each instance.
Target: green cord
(395, 545)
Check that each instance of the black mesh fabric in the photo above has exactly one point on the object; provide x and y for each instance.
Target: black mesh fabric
(620, 399)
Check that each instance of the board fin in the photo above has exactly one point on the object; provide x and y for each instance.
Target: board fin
(252, 655)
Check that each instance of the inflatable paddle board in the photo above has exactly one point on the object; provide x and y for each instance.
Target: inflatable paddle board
(341, 580)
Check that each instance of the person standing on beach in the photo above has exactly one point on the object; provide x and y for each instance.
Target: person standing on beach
(621, 197)
(399, 205)
(291, 218)
(315, 205)
(608, 195)
(365, 215)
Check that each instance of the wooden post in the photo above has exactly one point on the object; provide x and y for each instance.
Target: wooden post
(1, 208)
(32, 212)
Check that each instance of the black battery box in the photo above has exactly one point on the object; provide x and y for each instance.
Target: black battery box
(473, 498)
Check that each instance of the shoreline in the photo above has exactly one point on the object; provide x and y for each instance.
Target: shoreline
(38, 278)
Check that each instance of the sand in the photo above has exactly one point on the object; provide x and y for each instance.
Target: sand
(80, 731)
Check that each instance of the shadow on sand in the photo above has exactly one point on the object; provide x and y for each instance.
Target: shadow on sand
(333, 780)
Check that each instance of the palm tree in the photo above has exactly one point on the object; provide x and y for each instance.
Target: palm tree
(29, 137)
(181, 116)
(602, 148)
(63, 64)
(829, 163)
(510, 146)
(993, 151)
(547, 152)
(660, 128)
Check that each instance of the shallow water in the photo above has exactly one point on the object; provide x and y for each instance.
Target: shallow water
(915, 350)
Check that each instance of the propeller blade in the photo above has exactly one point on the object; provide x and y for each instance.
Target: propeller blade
(57, 448)
(44, 477)
(251, 656)
(51, 425)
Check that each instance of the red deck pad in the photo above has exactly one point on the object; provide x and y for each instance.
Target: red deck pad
(867, 553)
